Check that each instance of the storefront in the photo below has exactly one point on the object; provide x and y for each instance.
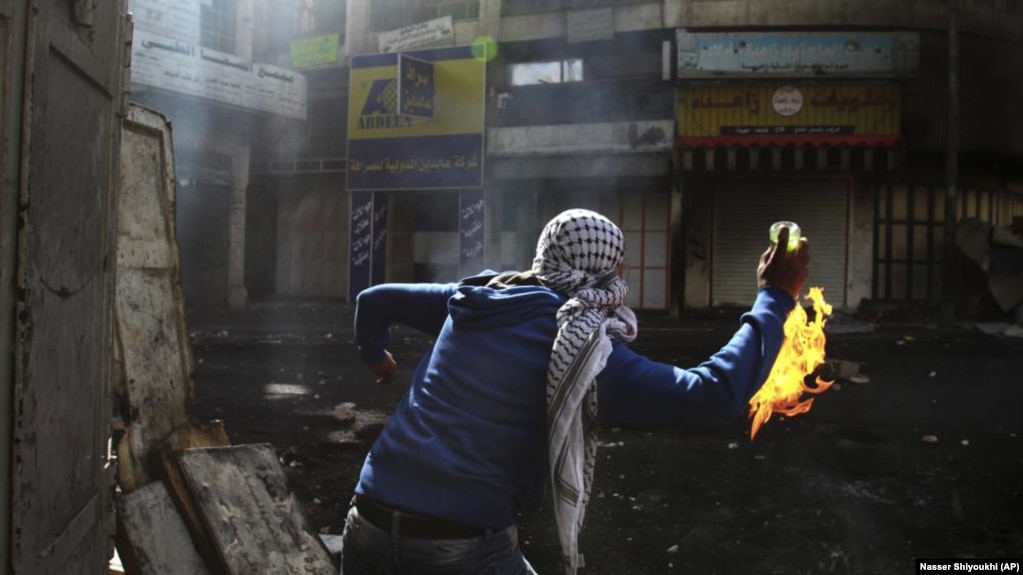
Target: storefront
(751, 154)
(415, 166)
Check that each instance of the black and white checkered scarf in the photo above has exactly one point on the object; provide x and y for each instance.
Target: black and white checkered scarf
(578, 255)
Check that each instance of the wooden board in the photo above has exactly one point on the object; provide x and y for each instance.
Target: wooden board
(152, 537)
(256, 523)
(155, 362)
(192, 436)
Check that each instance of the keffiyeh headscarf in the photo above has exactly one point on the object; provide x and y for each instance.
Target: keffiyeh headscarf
(577, 255)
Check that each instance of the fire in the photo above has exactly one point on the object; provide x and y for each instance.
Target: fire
(801, 354)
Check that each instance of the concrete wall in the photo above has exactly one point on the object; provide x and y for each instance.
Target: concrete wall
(976, 16)
(861, 243)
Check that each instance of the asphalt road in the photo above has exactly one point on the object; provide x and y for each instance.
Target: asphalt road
(920, 456)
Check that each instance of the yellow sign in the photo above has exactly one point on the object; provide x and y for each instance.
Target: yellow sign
(733, 112)
(459, 94)
(314, 51)
(438, 142)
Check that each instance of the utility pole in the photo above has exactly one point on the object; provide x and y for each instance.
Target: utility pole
(948, 306)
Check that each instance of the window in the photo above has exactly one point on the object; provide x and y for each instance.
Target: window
(217, 21)
(551, 72)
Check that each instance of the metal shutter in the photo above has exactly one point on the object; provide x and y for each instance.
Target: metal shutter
(743, 213)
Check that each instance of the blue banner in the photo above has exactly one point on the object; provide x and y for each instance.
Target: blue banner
(438, 162)
(361, 241)
(471, 232)
(378, 255)
(416, 87)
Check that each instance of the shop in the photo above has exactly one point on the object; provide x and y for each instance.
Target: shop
(750, 154)
(417, 204)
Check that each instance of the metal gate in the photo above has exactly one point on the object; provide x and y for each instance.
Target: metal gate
(743, 213)
(61, 135)
(909, 231)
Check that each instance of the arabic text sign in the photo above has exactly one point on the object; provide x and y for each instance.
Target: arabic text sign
(415, 87)
(436, 162)
(360, 260)
(172, 19)
(196, 71)
(388, 150)
(794, 54)
(314, 51)
(846, 108)
(471, 231)
(436, 32)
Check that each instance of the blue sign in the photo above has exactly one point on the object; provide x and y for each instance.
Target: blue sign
(378, 255)
(471, 232)
(423, 162)
(361, 244)
(416, 87)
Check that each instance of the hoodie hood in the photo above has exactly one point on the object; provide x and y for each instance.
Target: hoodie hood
(482, 307)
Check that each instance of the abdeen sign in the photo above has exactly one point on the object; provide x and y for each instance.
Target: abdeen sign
(432, 140)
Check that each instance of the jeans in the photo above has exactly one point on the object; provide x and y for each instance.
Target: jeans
(368, 550)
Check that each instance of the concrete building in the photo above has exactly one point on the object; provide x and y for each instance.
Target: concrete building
(694, 124)
(212, 69)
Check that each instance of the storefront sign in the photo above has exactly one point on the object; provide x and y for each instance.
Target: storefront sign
(778, 114)
(189, 69)
(170, 19)
(471, 231)
(436, 32)
(360, 235)
(314, 51)
(415, 87)
(389, 150)
(367, 229)
(797, 54)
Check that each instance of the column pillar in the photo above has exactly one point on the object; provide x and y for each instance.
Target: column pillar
(237, 294)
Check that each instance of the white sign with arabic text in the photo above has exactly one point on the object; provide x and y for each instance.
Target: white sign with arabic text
(189, 69)
(436, 32)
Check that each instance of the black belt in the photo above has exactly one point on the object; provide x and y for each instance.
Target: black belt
(413, 525)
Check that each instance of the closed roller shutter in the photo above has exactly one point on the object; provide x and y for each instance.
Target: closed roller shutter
(743, 213)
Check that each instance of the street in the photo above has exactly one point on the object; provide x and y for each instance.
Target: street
(916, 455)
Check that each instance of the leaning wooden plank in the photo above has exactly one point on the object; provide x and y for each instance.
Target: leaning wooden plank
(189, 436)
(152, 538)
(154, 370)
(256, 523)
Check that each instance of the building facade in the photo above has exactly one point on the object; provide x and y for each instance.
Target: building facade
(694, 124)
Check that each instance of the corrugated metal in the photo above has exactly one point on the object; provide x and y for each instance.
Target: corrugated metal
(871, 108)
(743, 213)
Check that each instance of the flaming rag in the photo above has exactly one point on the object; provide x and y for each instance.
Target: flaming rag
(578, 255)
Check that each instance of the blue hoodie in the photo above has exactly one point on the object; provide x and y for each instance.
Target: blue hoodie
(468, 441)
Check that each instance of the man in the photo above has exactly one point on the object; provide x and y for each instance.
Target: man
(504, 404)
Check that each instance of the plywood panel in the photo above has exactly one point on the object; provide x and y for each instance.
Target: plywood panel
(257, 525)
(154, 539)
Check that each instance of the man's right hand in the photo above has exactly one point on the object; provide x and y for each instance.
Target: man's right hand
(386, 371)
(784, 269)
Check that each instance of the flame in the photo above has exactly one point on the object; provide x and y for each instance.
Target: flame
(801, 354)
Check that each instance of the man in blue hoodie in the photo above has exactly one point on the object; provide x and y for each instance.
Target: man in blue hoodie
(505, 404)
